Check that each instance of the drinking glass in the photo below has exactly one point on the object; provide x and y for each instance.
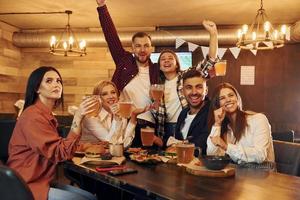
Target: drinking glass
(220, 68)
(157, 92)
(147, 136)
(125, 109)
(96, 106)
(185, 152)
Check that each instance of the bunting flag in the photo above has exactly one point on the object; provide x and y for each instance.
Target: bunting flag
(204, 51)
(269, 44)
(179, 42)
(235, 51)
(221, 52)
(288, 33)
(254, 52)
(192, 46)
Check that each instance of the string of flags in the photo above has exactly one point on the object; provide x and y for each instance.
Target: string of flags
(235, 51)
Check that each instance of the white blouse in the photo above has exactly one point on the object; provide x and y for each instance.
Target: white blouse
(255, 145)
(103, 127)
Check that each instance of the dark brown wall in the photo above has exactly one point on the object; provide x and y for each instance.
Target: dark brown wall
(277, 83)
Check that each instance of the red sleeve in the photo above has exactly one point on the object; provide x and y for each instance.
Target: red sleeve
(43, 138)
(111, 36)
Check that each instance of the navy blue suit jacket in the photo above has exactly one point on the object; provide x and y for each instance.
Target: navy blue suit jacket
(198, 131)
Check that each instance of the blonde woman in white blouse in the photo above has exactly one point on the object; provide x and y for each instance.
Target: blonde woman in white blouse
(245, 136)
(108, 125)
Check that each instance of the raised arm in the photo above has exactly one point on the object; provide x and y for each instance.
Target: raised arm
(211, 27)
(110, 32)
(206, 66)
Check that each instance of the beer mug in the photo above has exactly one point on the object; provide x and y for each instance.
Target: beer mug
(147, 136)
(96, 107)
(185, 152)
(220, 68)
(125, 109)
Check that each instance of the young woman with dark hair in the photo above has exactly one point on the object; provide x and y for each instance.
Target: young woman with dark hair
(35, 147)
(173, 101)
(244, 135)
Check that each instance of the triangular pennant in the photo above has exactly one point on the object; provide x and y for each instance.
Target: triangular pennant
(253, 51)
(288, 33)
(179, 42)
(235, 51)
(221, 52)
(192, 46)
(269, 44)
(204, 51)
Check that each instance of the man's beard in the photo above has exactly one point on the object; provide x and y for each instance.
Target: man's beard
(142, 61)
(197, 106)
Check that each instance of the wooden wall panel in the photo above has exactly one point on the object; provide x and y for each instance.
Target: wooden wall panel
(277, 84)
(10, 58)
(80, 74)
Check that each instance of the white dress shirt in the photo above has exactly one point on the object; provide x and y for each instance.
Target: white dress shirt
(105, 127)
(255, 145)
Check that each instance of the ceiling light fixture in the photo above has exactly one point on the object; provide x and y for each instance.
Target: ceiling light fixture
(261, 35)
(67, 44)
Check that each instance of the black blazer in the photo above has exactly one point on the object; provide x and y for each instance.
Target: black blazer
(198, 131)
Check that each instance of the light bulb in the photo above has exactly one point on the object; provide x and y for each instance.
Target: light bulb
(82, 44)
(65, 45)
(253, 36)
(275, 34)
(245, 28)
(239, 34)
(52, 41)
(71, 40)
(267, 26)
(283, 29)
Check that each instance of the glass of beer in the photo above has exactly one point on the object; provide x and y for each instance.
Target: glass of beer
(220, 68)
(157, 91)
(96, 107)
(147, 136)
(125, 109)
(185, 152)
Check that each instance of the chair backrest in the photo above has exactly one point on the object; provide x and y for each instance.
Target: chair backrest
(12, 186)
(287, 136)
(287, 157)
(6, 129)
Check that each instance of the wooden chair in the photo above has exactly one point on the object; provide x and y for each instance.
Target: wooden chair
(287, 136)
(12, 186)
(287, 157)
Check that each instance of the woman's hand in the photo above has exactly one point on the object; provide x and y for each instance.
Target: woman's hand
(136, 112)
(219, 142)
(158, 141)
(219, 116)
(87, 106)
(100, 2)
(210, 26)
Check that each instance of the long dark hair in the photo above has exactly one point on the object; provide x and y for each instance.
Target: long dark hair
(33, 84)
(178, 69)
(241, 122)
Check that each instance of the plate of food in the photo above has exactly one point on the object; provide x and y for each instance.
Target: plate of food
(145, 158)
(94, 151)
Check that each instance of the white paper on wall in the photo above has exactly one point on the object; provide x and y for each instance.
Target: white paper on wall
(247, 75)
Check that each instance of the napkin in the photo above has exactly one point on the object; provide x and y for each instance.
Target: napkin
(99, 161)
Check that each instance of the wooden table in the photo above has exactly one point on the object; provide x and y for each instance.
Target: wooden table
(168, 181)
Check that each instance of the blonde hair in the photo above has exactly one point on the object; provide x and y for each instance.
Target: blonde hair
(99, 87)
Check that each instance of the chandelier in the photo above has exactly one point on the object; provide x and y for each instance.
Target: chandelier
(261, 35)
(67, 44)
